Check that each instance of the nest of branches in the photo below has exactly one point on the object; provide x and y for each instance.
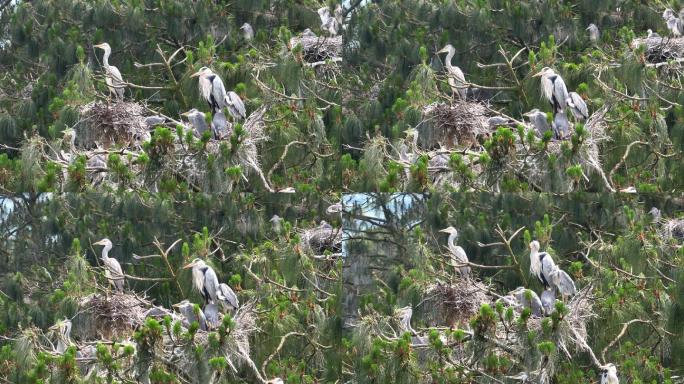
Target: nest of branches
(315, 241)
(459, 124)
(661, 49)
(672, 229)
(455, 302)
(106, 124)
(318, 48)
(114, 316)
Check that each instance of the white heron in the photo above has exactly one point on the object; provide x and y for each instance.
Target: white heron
(113, 77)
(247, 31)
(187, 309)
(548, 300)
(563, 283)
(455, 76)
(458, 255)
(609, 374)
(594, 33)
(227, 298)
(577, 106)
(538, 120)
(541, 264)
(533, 303)
(560, 125)
(553, 88)
(204, 280)
(198, 121)
(214, 92)
(113, 271)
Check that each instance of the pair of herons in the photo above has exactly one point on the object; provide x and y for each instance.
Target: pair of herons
(217, 296)
(553, 88)
(211, 89)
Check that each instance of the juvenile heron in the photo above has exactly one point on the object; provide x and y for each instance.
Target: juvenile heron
(577, 106)
(553, 88)
(220, 127)
(538, 120)
(197, 120)
(227, 298)
(214, 92)
(113, 77)
(247, 31)
(187, 309)
(652, 35)
(563, 283)
(533, 303)
(594, 33)
(204, 280)
(541, 264)
(455, 76)
(609, 374)
(211, 313)
(113, 271)
(548, 300)
(458, 255)
(560, 126)
(276, 224)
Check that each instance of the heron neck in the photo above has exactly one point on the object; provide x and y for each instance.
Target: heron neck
(105, 252)
(452, 240)
(449, 56)
(105, 58)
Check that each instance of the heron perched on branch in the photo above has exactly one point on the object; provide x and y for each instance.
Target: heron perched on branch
(541, 264)
(455, 76)
(113, 77)
(214, 92)
(609, 374)
(458, 255)
(247, 31)
(113, 271)
(187, 309)
(553, 89)
(204, 279)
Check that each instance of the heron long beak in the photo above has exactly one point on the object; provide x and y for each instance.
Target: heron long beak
(186, 114)
(196, 74)
(445, 230)
(98, 243)
(443, 50)
(98, 46)
(189, 265)
(538, 74)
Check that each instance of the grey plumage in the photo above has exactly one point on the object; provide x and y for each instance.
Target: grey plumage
(533, 303)
(497, 121)
(553, 88)
(204, 279)
(594, 33)
(187, 309)
(560, 125)
(113, 271)
(211, 313)
(455, 76)
(539, 122)
(227, 298)
(220, 126)
(541, 264)
(459, 259)
(563, 283)
(548, 300)
(236, 107)
(577, 106)
(113, 78)
(247, 31)
(197, 120)
(153, 121)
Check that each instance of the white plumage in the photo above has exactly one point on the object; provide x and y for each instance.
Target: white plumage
(458, 255)
(113, 271)
(553, 88)
(609, 375)
(455, 76)
(113, 77)
(204, 280)
(541, 264)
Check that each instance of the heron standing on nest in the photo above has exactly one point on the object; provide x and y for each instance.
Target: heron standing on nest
(459, 258)
(113, 77)
(204, 280)
(113, 271)
(553, 89)
(214, 92)
(455, 76)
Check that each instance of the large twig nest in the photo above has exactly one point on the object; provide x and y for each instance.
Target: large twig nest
(318, 48)
(454, 303)
(660, 49)
(110, 317)
(462, 124)
(121, 124)
(322, 238)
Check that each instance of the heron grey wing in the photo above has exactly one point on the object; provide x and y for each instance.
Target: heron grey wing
(235, 100)
(116, 80)
(548, 300)
(561, 125)
(579, 104)
(202, 320)
(564, 283)
(116, 273)
(211, 313)
(560, 91)
(225, 293)
(218, 91)
(211, 283)
(459, 80)
(536, 305)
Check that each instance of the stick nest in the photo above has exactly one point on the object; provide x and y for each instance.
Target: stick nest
(454, 303)
(109, 317)
(318, 48)
(109, 124)
(461, 124)
(322, 238)
(661, 49)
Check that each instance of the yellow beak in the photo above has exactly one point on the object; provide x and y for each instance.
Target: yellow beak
(98, 243)
(196, 74)
(189, 265)
(538, 74)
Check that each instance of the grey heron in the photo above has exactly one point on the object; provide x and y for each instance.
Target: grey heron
(211, 313)
(548, 300)
(674, 23)
(113, 77)
(458, 255)
(560, 126)
(594, 33)
(577, 106)
(533, 303)
(455, 76)
(214, 92)
(655, 214)
(98, 165)
(553, 88)
(328, 22)
(275, 223)
(62, 330)
(227, 298)
(334, 208)
(220, 126)
(247, 31)
(187, 309)
(404, 315)
(153, 121)
(563, 283)
(538, 120)
(113, 271)
(497, 121)
(197, 120)
(308, 33)
(609, 374)
(652, 35)
(204, 280)
(541, 264)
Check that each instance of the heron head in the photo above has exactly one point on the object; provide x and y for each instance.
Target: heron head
(447, 48)
(275, 218)
(610, 367)
(104, 46)
(246, 26)
(450, 230)
(182, 304)
(202, 71)
(195, 263)
(591, 27)
(532, 112)
(192, 113)
(106, 242)
(544, 71)
(534, 245)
